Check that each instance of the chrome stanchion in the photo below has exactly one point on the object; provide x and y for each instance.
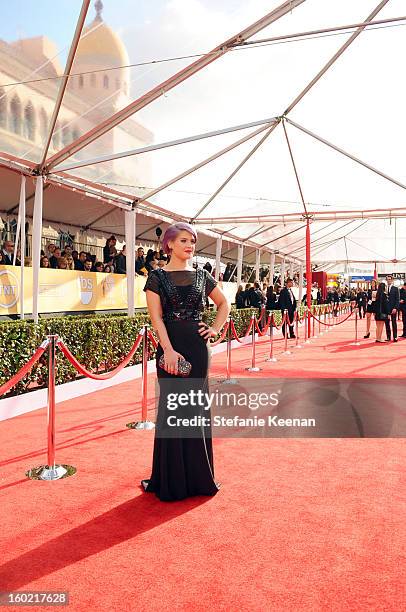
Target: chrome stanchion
(253, 367)
(271, 357)
(144, 423)
(297, 345)
(306, 315)
(51, 471)
(228, 380)
(328, 319)
(325, 321)
(356, 343)
(314, 325)
(321, 329)
(286, 350)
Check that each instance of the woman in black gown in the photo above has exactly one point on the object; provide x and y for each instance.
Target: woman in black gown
(176, 296)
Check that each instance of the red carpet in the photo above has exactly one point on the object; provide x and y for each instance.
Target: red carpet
(297, 525)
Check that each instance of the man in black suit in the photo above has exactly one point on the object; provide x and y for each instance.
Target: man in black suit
(287, 301)
(255, 296)
(402, 306)
(362, 300)
(393, 304)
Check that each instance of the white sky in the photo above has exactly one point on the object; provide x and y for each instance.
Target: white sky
(358, 105)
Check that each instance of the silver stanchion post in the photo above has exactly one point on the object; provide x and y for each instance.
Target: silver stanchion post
(297, 345)
(321, 329)
(253, 367)
(271, 357)
(144, 423)
(51, 471)
(314, 325)
(306, 315)
(356, 343)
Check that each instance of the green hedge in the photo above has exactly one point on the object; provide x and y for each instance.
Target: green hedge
(99, 342)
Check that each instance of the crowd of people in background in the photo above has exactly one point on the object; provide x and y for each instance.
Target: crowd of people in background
(114, 260)
(384, 303)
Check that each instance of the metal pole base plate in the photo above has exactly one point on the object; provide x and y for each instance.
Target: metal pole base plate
(273, 359)
(286, 353)
(256, 369)
(298, 346)
(141, 425)
(56, 472)
(355, 344)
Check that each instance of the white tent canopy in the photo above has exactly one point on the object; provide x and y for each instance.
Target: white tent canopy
(317, 99)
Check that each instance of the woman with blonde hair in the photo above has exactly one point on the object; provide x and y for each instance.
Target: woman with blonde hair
(70, 263)
(62, 263)
(176, 294)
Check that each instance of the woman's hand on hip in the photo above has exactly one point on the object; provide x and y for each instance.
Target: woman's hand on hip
(206, 331)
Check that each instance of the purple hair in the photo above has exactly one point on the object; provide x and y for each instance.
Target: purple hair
(173, 231)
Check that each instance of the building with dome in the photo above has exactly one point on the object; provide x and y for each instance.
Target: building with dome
(101, 87)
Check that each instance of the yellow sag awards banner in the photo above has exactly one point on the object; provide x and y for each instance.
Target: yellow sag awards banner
(73, 291)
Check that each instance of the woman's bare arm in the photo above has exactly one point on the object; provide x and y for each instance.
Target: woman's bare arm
(155, 312)
(223, 310)
(171, 356)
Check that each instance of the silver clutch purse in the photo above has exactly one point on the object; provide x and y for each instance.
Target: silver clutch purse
(184, 367)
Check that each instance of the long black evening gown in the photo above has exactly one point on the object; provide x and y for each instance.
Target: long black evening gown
(183, 460)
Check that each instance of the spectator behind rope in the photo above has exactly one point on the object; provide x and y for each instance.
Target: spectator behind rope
(240, 297)
(140, 263)
(120, 261)
(271, 299)
(80, 261)
(53, 261)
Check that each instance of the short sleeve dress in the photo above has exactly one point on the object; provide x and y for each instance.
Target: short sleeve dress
(182, 463)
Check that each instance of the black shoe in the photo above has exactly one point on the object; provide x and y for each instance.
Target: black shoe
(367, 335)
(387, 340)
(395, 339)
(293, 336)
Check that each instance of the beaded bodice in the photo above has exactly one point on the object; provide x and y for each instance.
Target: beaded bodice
(184, 303)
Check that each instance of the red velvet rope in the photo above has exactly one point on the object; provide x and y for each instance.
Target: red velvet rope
(263, 331)
(235, 331)
(290, 322)
(24, 370)
(331, 324)
(153, 339)
(278, 327)
(223, 335)
(82, 370)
